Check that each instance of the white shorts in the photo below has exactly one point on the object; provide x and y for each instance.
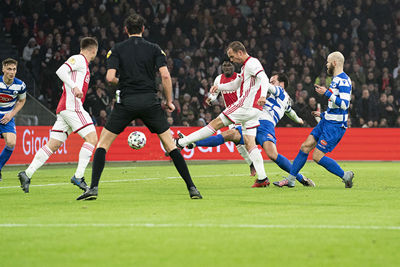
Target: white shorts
(247, 117)
(71, 121)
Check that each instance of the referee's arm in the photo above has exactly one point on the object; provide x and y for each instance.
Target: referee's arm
(111, 76)
(167, 85)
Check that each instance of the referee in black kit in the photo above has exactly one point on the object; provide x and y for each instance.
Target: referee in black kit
(137, 60)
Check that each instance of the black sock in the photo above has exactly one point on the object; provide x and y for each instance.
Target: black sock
(180, 165)
(99, 160)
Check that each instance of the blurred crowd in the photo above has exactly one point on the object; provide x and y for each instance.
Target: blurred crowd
(290, 36)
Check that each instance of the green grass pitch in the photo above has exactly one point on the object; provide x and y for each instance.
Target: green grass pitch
(144, 217)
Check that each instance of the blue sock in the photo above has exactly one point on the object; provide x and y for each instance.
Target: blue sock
(5, 155)
(215, 140)
(285, 165)
(298, 163)
(331, 165)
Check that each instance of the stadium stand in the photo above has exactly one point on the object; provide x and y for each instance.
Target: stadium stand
(291, 36)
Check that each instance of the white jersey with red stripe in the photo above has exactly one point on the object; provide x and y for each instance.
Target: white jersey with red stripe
(229, 97)
(250, 86)
(80, 75)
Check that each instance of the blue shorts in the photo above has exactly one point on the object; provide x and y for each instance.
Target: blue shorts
(265, 132)
(327, 135)
(9, 127)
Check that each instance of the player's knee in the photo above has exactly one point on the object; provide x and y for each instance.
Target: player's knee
(317, 156)
(305, 148)
(11, 144)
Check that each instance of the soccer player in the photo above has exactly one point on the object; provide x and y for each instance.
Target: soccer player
(228, 75)
(330, 130)
(273, 111)
(71, 117)
(136, 60)
(12, 99)
(254, 86)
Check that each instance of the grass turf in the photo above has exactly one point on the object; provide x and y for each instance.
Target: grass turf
(144, 217)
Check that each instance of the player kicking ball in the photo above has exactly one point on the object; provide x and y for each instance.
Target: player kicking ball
(275, 108)
(71, 117)
(253, 86)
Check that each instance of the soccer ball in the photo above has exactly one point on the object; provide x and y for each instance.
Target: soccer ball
(136, 140)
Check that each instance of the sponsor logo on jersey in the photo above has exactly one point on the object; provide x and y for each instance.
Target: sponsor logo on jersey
(5, 98)
(109, 54)
(323, 142)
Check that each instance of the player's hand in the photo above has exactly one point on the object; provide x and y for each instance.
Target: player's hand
(77, 93)
(6, 118)
(301, 122)
(213, 89)
(208, 101)
(316, 113)
(320, 89)
(262, 100)
(170, 106)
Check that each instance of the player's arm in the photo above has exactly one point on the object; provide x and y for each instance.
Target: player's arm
(266, 88)
(293, 116)
(227, 87)
(213, 96)
(111, 76)
(167, 85)
(342, 101)
(64, 73)
(18, 106)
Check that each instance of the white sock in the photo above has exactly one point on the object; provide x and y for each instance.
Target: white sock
(258, 162)
(84, 157)
(40, 158)
(243, 152)
(201, 134)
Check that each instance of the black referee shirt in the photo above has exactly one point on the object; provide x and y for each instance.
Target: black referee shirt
(137, 61)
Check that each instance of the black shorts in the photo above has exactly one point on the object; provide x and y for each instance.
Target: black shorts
(148, 110)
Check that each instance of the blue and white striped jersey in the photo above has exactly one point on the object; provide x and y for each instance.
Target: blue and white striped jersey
(339, 94)
(9, 94)
(276, 106)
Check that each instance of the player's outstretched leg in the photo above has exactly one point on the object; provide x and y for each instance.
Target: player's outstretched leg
(332, 166)
(285, 165)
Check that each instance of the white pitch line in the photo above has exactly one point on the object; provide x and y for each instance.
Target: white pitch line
(190, 225)
(132, 180)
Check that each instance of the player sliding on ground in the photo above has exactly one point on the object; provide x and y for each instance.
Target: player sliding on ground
(253, 85)
(330, 130)
(273, 111)
(71, 117)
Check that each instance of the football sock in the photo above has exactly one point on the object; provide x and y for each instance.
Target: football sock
(258, 162)
(84, 158)
(298, 163)
(331, 165)
(211, 141)
(243, 152)
(285, 165)
(204, 132)
(40, 158)
(99, 160)
(5, 155)
(180, 165)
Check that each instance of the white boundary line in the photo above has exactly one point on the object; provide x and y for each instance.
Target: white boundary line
(133, 180)
(190, 225)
